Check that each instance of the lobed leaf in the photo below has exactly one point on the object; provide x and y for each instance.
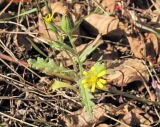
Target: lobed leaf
(60, 84)
(86, 99)
(51, 68)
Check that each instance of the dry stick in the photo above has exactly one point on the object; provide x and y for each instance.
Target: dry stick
(15, 41)
(11, 54)
(6, 7)
(155, 5)
(22, 99)
(25, 64)
(23, 28)
(21, 121)
(7, 50)
(38, 100)
(157, 112)
(104, 11)
(144, 82)
(9, 58)
(15, 72)
(19, 84)
(113, 90)
(125, 125)
(150, 70)
(58, 107)
(13, 32)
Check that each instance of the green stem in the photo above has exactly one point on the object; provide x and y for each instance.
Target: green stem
(77, 54)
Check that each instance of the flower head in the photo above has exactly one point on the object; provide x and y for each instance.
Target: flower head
(93, 78)
(48, 18)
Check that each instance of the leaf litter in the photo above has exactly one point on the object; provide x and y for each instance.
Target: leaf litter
(124, 35)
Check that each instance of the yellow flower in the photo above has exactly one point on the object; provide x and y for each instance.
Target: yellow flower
(93, 77)
(48, 18)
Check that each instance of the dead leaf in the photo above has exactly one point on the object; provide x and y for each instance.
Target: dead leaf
(158, 60)
(135, 117)
(103, 125)
(96, 23)
(129, 71)
(79, 9)
(147, 47)
(152, 46)
(59, 7)
(137, 46)
(81, 118)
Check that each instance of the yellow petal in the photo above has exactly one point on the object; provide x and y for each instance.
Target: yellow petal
(86, 85)
(83, 81)
(93, 69)
(48, 18)
(100, 85)
(103, 81)
(93, 78)
(102, 73)
(93, 87)
(85, 73)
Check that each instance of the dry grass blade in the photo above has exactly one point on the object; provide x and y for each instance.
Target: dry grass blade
(21, 121)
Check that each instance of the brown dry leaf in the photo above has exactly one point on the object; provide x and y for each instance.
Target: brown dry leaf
(152, 46)
(137, 47)
(129, 71)
(81, 118)
(145, 47)
(96, 23)
(103, 125)
(135, 117)
(158, 60)
(79, 9)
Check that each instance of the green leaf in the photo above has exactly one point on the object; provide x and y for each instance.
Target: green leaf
(59, 84)
(51, 68)
(88, 51)
(61, 46)
(36, 47)
(53, 27)
(86, 99)
(22, 14)
(67, 24)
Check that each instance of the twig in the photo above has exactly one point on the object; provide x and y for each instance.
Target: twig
(21, 121)
(6, 7)
(125, 125)
(113, 90)
(144, 81)
(104, 11)
(9, 58)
